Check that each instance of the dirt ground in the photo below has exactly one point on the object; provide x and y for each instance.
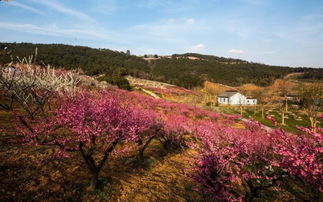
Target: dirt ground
(25, 177)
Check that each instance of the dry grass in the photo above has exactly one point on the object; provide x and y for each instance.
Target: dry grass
(25, 177)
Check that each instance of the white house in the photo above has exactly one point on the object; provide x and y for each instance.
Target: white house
(235, 98)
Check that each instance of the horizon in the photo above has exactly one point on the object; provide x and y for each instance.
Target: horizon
(241, 29)
(142, 55)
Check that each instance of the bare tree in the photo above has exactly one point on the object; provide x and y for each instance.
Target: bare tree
(283, 88)
(311, 97)
(29, 87)
(263, 99)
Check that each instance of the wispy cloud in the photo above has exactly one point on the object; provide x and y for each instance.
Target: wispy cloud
(190, 21)
(104, 6)
(54, 30)
(236, 51)
(63, 9)
(307, 31)
(172, 29)
(24, 6)
(198, 47)
(170, 6)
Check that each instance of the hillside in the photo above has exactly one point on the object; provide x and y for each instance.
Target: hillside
(79, 139)
(212, 58)
(92, 61)
(185, 70)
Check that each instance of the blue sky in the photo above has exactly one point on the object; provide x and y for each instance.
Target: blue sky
(278, 32)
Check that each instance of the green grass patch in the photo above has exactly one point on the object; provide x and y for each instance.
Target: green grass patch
(293, 118)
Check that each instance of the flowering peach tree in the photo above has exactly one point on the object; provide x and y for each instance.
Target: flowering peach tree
(90, 124)
(229, 158)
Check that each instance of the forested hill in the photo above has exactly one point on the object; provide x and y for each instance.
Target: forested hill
(92, 61)
(186, 70)
(211, 58)
(190, 72)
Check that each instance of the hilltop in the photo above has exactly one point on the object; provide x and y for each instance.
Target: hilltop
(186, 70)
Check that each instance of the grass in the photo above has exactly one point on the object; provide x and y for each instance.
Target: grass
(290, 122)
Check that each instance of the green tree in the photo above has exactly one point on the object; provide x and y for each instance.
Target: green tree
(117, 78)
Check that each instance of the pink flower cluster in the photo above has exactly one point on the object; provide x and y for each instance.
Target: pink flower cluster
(229, 157)
(272, 119)
(226, 156)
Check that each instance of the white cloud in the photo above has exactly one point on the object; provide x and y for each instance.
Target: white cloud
(54, 30)
(24, 6)
(236, 51)
(68, 11)
(190, 21)
(198, 47)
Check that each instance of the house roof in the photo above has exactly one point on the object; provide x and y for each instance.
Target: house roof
(227, 94)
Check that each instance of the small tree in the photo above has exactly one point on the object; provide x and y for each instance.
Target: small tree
(174, 129)
(311, 97)
(283, 88)
(262, 97)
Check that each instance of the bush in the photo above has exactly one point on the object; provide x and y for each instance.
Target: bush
(116, 78)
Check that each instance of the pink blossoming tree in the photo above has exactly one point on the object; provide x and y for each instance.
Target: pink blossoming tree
(90, 124)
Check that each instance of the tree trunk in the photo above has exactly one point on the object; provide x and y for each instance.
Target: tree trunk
(93, 166)
(143, 146)
(312, 123)
(241, 110)
(286, 105)
(256, 110)
(167, 144)
(94, 181)
(283, 118)
(262, 112)
(141, 155)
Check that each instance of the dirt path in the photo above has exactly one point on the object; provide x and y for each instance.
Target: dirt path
(293, 74)
(150, 93)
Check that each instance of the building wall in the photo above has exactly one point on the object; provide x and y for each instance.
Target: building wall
(237, 99)
(222, 100)
(251, 101)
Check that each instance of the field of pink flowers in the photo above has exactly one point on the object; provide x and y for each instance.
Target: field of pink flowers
(79, 121)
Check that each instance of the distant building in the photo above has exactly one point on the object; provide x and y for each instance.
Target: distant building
(235, 98)
(128, 52)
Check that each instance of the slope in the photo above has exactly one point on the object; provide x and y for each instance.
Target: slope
(180, 70)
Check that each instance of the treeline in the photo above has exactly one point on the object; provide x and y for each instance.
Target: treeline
(178, 70)
(209, 57)
(189, 73)
(92, 61)
(316, 74)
